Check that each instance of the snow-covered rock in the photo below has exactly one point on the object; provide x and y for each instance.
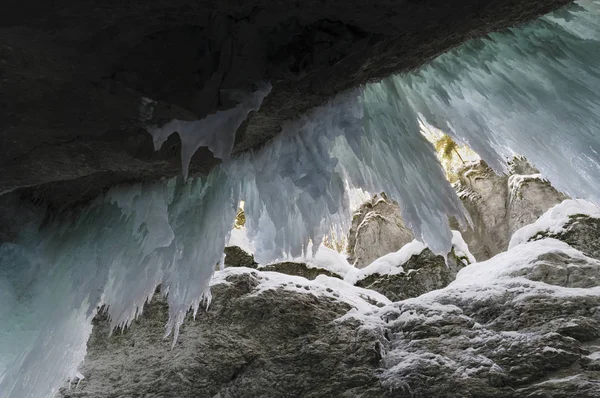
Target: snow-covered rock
(265, 334)
(412, 270)
(522, 324)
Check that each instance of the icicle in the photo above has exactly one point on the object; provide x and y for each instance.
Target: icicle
(532, 91)
(216, 131)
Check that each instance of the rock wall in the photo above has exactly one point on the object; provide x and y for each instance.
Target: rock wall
(377, 229)
(74, 74)
(500, 205)
(283, 341)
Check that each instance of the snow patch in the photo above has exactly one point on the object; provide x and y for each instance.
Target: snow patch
(390, 264)
(554, 220)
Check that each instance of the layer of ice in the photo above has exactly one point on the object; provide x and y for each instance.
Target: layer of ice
(216, 131)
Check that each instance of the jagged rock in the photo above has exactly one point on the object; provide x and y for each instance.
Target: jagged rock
(422, 273)
(235, 256)
(523, 324)
(279, 342)
(500, 205)
(497, 333)
(72, 74)
(377, 229)
(298, 269)
(582, 233)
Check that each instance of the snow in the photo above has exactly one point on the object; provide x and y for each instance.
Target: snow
(461, 249)
(515, 181)
(594, 356)
(239, 238)
(327, 259)
(361, 300)
(389, 264)
(554, 220)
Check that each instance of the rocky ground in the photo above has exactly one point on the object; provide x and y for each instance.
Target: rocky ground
(525, 323)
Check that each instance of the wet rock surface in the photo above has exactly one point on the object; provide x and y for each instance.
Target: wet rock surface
(73, 74)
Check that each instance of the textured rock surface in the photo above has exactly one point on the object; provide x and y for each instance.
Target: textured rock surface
(298, 269)
(72, 74)
(423, 273)
(276, 343)
(505, 336)
(500, 205)
(235, 256)
(377, 229)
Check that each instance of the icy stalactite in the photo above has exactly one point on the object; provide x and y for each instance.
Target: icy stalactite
(216, 131)
(531, 91)
(115, 253)
(297, 187)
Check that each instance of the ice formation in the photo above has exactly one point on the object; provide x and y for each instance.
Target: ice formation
(216, 131)
(531, 91)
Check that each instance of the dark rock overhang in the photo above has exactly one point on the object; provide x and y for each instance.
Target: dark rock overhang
(72, 74)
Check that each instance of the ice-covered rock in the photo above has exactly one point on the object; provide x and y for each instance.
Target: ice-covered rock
(377, 229)
(524, 323)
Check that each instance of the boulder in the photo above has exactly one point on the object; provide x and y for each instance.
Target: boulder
(264, 335)
(235, 256)
(422, 273)
(377, 229)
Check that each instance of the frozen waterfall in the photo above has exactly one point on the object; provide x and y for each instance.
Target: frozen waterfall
(534, 91)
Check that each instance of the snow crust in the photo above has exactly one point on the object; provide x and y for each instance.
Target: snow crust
(360, 299)
(554, 220)
(461, 249)
(325, 258)
(389, 264)
(515, 181)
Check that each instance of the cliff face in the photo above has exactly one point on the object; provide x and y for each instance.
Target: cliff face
(501, 204)
(73, 74)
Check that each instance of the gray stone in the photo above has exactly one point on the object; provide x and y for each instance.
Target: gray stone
(273, 344)
(423, 273)
(499, 209)
(377, 229)
(235, 256)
